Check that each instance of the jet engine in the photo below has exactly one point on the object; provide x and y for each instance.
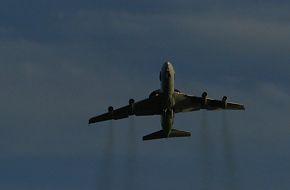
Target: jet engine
(224, 102)
(176, 90)
(154, 93)
(132, 105)
(204, 99)
(111, 110)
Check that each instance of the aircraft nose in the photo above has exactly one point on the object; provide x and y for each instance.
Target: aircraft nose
(167, 65)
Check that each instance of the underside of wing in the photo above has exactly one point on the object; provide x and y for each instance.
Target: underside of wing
(149, 106)
(120, 113)
(184, 103)
(187, 103)
(222, 104)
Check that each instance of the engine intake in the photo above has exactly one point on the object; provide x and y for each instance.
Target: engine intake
(131, 101)
(154, 93)
(132, 105)
(110, 109)
(204, 99)
(224, 102)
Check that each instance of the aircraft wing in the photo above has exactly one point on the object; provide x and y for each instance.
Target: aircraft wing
(149, 106)
(187, 103)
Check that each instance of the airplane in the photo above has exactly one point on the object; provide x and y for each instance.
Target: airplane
(166, 102)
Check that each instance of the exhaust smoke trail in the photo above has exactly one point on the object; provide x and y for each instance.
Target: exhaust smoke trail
(205, 152)
(229, 154)
(106, 177)
(131, 161)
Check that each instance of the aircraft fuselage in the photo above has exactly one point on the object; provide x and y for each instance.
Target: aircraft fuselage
(167, 77)
(166, 102)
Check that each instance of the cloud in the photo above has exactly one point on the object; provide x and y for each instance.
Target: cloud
(72, 61)
(50, 91)
(231, 42)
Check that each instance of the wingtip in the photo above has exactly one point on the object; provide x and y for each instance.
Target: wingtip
(90, 121)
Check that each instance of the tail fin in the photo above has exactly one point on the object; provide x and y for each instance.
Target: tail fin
(160, 134)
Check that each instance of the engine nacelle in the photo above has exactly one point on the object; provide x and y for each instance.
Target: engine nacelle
(132, 105)
(224, 102)
(176, 90)
(154, 93)
(204, 98)
(131, 101)
(111, 109)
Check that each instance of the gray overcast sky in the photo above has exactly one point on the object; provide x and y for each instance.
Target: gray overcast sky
(62, 62)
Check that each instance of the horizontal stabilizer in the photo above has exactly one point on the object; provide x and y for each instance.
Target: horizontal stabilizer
(160, 134)
(156, 135)
(178, 133)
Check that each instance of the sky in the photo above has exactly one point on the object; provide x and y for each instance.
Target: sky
(62, 62)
